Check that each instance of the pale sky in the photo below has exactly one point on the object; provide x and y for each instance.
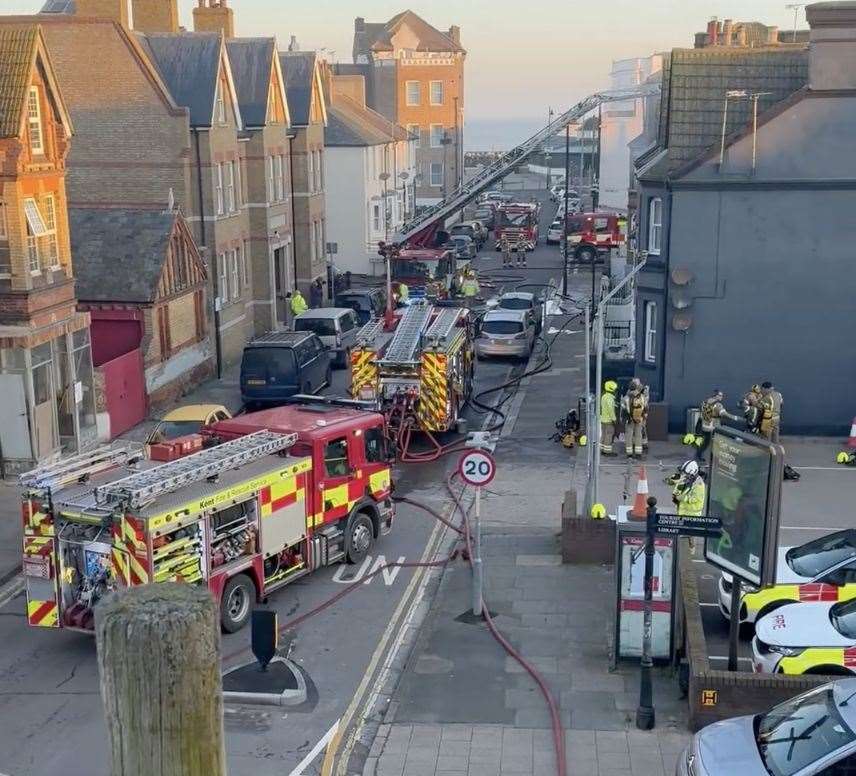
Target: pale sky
(522, 56)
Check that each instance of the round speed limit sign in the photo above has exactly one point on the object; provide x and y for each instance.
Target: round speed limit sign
(477, 468)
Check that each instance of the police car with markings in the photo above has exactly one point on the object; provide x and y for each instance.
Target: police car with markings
(816, 638)
(822, 571)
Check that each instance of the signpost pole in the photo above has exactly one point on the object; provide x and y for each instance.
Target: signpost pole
(645, 710)
(734, 624)
(477, 560)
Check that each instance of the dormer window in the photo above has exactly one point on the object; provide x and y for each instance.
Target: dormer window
(34, 121)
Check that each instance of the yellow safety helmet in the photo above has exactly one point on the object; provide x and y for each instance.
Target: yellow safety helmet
(698, 441)
(689, 439)
(583, 440)
(598, 512)
(610, 386)
(843, 457)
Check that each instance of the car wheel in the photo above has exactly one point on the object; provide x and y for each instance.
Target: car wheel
(236, 603)
(360, 537)
(770, 607)
(829, 671)
(345, 358)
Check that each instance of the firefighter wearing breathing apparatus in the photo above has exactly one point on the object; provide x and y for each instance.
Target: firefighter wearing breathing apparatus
(711, 413)
(634, 408)
(608, 417)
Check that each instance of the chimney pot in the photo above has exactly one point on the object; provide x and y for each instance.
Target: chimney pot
(292, 44)
(712, 32)
(359, 24)
(214, 16)
(742, 36)
(773, 36)
(727, 29)
(455, 34)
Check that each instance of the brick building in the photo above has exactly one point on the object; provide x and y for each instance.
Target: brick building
(143, 282)
(415, 77)
(308, 118)
(264, 109)
(46, 376)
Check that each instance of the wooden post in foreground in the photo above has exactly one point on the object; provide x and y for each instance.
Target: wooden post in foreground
(159, 663)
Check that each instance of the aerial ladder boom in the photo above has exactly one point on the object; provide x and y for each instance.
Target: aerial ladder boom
(496, 171)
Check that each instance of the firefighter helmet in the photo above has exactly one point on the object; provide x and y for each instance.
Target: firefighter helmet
(610, 386)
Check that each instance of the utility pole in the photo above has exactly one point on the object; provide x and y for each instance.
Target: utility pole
(565, 221)
(795, 7)
(159, 664)
(645, 710)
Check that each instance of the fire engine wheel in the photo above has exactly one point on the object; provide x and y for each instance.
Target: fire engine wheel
(236, 603)
(586, 254)
(360, 537)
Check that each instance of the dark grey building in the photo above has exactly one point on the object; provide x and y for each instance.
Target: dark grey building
(751, 272)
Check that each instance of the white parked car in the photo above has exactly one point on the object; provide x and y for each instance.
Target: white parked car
(555, 232)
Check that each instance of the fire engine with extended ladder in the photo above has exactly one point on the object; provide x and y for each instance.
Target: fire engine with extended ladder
(279, 494)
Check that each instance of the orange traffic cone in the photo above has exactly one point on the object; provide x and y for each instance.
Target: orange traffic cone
(851, 443)
(640, 503)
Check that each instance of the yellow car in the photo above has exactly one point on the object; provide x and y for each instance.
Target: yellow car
(187, 420)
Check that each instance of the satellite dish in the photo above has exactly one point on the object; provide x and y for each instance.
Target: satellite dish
(682, 321)
(384, 176)
(681, 276)
(680, 299)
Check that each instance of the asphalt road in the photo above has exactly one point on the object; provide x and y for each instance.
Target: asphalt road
(49, 696)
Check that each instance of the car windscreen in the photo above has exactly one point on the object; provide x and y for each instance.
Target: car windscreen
(462, 230)
(515, 303)
(815, 557)
(269, 362)
(502, 327)
(800, 731)
(843, 618)
(173, 429)
(323, 327)
(577, 225)
(358, 303)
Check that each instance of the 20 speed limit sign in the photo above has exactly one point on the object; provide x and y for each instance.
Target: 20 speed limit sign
(477, 468)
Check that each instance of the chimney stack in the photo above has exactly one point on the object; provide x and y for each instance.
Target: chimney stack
(742, 36)
(214, 16)
(712, 32)
(155, 15)
(832, 50)
(773, 36)
(727, 29)
(359, 24)
(700, 40)
(114, 10)
(293, 45)
(455, 34)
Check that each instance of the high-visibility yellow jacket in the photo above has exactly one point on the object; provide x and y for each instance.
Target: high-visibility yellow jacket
(607, 408)
(691, 500)
(470, 287)
(298, 304)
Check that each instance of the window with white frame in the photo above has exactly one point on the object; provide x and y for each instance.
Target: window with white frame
(321, 169)
(51, 252)
(413, 93)
(277, 177)
(270, 177)
(650, 332)
(436, 92)
(655, 225)
(33, 261)
(218, 187)
(36, 229)
(235, 275)
(34, 121)
(310, 175)
(245, 263)
(416, 132)
(436, 135)
(312, 247)
(229, 170)
(283, 163)
(221, 104)
(375, 218)
(4, 234)
(238, 194)
(223, 275)
(436, 174)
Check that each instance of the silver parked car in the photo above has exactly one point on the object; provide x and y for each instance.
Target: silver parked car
(810, 735)
(524, 300)
(506, 333)
(336, 327)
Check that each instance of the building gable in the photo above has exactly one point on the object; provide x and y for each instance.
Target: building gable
(182, 269)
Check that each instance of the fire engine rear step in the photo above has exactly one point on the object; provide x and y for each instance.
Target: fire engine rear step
(140, 488)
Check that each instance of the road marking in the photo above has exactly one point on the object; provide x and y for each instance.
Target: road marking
(11, 589)
(700, 603)
(725, 657)
(369, 565)
(838, 468)
(313, 753)
(811, 528)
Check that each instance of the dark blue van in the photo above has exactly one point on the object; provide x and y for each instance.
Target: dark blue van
(281, 364)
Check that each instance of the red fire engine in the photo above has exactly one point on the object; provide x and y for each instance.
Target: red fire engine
(591, 234)
(517, 221)
(275, 495)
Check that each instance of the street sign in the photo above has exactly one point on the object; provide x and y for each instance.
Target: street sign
(332, 247)
(477, 468)
(687, 525)
(744, 490)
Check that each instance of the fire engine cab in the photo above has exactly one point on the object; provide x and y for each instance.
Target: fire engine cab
(274, 496)
(592, 234)
(517, 221)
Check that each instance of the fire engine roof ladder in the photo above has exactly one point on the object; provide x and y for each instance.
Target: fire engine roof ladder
(142, 487)
(443, 324)
(77, 467)
(370, 331)
(408, 334)
(492, 173)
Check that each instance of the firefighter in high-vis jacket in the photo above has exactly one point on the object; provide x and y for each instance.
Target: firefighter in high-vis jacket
(771, 411)
(608, 416)
(505, 246)
(635, 411)
(689, 492)
(751, 403)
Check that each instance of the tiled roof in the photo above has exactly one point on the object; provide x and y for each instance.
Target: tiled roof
(378, 36)
(17, 44)
(298, 70)
(189, 63)
(695, 82)
(118, 254)
(251, 60)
